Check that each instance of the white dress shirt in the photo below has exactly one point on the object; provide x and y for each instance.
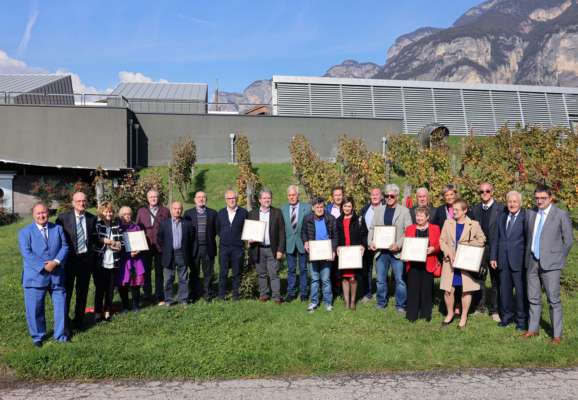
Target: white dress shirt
(264, 216)
(231, 214)
(511, 219)
(545, 212)
(153, 212)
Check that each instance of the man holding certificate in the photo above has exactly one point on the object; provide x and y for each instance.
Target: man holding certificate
(319, 237)
(460, 231)
(267, 253)
(386, 235)
(420, 249)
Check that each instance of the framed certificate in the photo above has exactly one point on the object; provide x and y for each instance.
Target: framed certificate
(135, 241)
(320, 250)
(468, 258)
(414, 249)
(384, 236)
(254, 231)
(350, 257)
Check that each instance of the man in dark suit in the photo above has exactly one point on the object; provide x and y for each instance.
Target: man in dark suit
(486, 213)
(445, 211)
(204, 221)
(176, 239)
(266, 255)
(507, 253)
(422, 200)
(150, 218)
(230, 221)
(80, 229)
(375, 201)
(550, 237)
(44, 250)
(293, 214)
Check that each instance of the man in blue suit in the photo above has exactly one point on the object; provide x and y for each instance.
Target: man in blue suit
(507, 256)
(44, 249)
(293, 214)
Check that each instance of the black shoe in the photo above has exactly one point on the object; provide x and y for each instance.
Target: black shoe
(289, 299)
(504, 324)
(445, 324)
(38, 344)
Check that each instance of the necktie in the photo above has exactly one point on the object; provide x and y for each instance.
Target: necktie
(510, 222)
(537, 235)
(294, 217)
(45, 233)
(80, 236)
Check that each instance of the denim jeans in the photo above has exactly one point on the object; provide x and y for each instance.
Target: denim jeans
(321, 270)
(292, 275)
(383, 262)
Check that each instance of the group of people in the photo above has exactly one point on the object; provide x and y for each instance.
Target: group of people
(522, 249)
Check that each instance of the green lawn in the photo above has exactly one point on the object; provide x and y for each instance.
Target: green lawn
(250, 339)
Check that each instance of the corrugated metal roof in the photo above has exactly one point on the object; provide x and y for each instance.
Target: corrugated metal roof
(162, 91)
(26, 83)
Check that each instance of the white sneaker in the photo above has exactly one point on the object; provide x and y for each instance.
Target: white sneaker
(311, 307)
(496, 317)
(328, 307)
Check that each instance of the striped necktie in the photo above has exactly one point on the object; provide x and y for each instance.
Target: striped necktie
(45, 233)
(80, 236)
(294, 217)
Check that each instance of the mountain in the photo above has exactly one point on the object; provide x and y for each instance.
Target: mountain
(531, 42)
(257, 93)
(500, 41)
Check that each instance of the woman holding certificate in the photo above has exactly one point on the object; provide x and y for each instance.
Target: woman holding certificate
(132, 271)
(350, 234)
(108, 248)
(420, 274)
(460, 230)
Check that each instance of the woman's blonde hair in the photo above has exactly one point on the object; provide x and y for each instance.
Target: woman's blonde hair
(107, 205)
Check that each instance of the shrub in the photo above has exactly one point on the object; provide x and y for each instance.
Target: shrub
(7, 218)
(183, 164)
(246, 177)
(132, 190)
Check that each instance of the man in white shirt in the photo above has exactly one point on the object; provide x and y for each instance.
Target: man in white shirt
(375, 201)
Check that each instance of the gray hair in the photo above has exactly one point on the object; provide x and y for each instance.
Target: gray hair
(514, 193)
(230, 191)
(124, 208)
(293, 187)
(450, 187)
(265, 190)
(153, 191)
(422, 189)
(392, 187)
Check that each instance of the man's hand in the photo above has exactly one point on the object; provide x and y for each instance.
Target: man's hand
(394, 248)
(306, 246)
(430, 250)
(279, 255)
(332, 256)
(493, 264)
(49, 266)
(134, 253)
(372, 247)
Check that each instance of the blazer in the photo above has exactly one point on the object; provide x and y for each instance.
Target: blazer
(211, 229)
(472, 235)
(401, 220)
(439, 215)
(230, 233)
(143, 219)
(165, 242)
(508, 248)
(434, 240)
(308, 231)
(36, 251)
(100, 248)
(556, 239)
(495, 211)
(364, 227)
(355, 232)
(293, 237)
(68, 222)
(276, 233)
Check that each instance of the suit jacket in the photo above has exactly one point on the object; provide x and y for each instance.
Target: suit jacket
(364, 227)
(328, 208)
(36, 251)
(308, 232)
(472, 235)
(68, 222)
(556, 239)
(211, 229)
(508, 248)
(276, 232)
(401, 220)
(143, 219)
(293, 237)
(230, 233)
(434, 233)
(165, 242)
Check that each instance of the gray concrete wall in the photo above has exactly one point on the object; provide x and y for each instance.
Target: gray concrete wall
(269, 135)
(76, 137)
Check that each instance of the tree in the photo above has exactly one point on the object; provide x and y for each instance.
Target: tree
(182, 164)
(247, 178)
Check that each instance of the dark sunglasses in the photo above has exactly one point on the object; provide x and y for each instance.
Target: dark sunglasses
(390, 196)
(484, 191)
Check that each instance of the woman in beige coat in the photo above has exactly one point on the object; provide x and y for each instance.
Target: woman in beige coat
(467, 232)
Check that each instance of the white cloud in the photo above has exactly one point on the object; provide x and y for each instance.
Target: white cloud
(127, 76)
(78, 86)
(27, 35)
(9, 65)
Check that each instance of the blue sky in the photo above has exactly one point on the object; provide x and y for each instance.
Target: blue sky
(235, 42)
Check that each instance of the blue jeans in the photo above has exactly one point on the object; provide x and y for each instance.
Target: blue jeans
(292, 275)
(321, 269)
(383, 262)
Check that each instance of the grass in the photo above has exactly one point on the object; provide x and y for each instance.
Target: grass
(250, 339)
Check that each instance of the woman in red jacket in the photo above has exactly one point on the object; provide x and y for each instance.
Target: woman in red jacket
(420, 276)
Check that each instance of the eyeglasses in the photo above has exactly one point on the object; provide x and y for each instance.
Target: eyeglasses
(230, 198)
(390, 196)
(484, 191)
(541, 197)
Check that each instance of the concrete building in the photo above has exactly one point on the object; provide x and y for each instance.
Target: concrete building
(460, 107)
